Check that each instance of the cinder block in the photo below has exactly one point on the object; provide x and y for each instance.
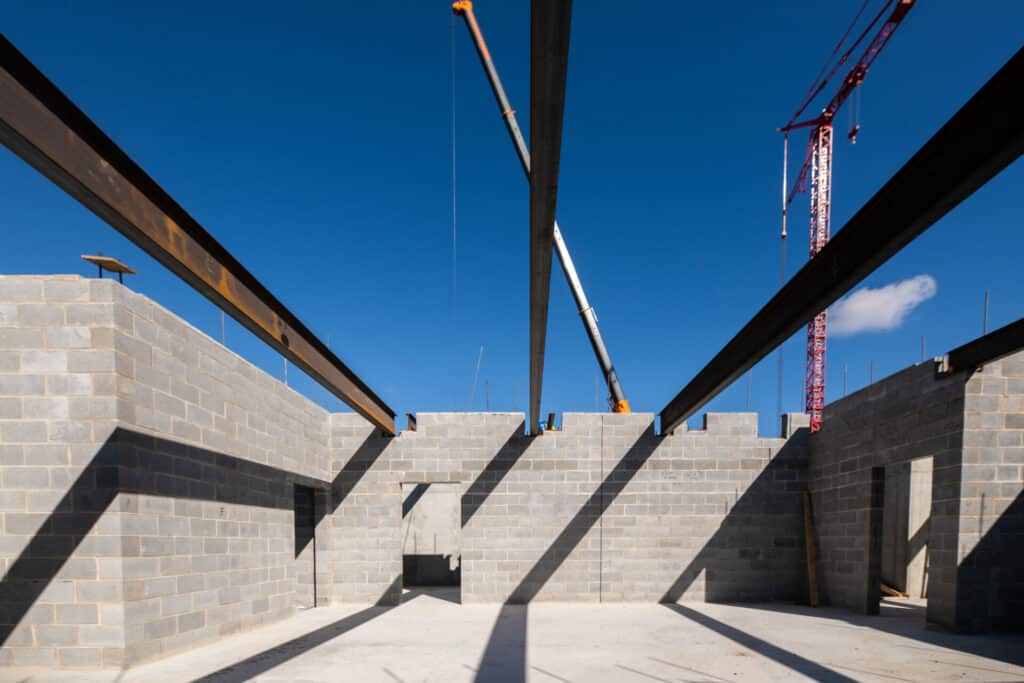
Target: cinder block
(10, 361)
(40, 315)
(10, 408)
(21, 338)
(91, 360)
(66, 289)
(12, 500)
(25, 478)
(77, 614)
(99, 591)
(31, 656)
(68, 338)
(22, 385)
(95, 635)
(8, 313)
(80, 657)
(161, 628)
(191, 621)
(89, 314)
(86, 407)
(48, 408)
(56, 635)
(21, 289)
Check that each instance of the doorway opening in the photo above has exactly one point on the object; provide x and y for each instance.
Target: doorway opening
(904, 521)
(432, 539)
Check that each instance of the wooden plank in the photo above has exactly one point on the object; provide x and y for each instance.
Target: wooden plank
(892, 592)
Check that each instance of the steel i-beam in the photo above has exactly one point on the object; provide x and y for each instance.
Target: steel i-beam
(45, 128)
(991, 347)
(981, 139)
(549, 62)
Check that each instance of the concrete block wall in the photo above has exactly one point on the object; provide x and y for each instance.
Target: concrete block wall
(711, 515)
(148, 491)
(210, 449)
(60, 553)
(971, 424)
(990, 593)
(911, 414)
(600, 510)
(147, 478)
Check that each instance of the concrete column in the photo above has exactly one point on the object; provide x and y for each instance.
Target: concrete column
(919, 516)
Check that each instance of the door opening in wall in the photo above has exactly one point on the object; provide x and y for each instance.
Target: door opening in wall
(432, 539)
(305, 547)
(905, 522)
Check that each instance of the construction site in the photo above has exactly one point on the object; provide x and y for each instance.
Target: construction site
(171, 510)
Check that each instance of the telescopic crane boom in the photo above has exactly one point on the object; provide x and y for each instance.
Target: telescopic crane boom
(618, 400)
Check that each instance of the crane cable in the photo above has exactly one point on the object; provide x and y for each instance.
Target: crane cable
(818, 83)
(455, 254)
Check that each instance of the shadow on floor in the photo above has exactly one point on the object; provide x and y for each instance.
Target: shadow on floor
(452, 594)
(504, 659)
(775, 493)
(784, 657)
(262, 662)
(908, 621)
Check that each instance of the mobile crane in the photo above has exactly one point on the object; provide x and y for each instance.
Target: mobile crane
(619, 404)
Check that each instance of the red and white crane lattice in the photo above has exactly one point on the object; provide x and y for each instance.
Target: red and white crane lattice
(816, 173)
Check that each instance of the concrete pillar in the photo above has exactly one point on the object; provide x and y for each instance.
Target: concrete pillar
(919, 515)
(895, 525)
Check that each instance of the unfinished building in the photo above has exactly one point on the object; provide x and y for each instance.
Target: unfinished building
(160, 493)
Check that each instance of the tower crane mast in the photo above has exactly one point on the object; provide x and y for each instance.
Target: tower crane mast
(816, 174)
(617, 398)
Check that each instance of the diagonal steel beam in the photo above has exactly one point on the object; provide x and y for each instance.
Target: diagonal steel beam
(45, 128)
(549, 62)
(981, 139)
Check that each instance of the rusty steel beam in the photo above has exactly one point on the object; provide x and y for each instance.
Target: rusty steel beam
(549, 63)
(981, 139)
(45, 128)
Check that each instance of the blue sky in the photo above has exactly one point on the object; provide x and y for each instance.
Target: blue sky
(314, 141)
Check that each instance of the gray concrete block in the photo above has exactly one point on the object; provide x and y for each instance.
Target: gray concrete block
(17, 289)
(21, 338)
(40, 314)
(77, 614)
(65, 290)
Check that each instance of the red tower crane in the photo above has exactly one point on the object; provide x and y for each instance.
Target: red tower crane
(816, 173)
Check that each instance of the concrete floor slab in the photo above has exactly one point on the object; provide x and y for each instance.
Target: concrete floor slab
(430, 637)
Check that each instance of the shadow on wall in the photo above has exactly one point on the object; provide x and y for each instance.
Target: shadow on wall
(130, 462)
(492, 475)
(990, 591)
(775, 491)
(740, 563)
(587, 517)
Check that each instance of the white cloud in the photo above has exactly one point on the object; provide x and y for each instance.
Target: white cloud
(877, 310)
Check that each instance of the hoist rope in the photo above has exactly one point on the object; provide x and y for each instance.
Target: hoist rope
(455, 253)
(818, 83)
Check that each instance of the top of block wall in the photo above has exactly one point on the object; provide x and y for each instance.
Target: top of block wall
(23, 289)
(733, 424)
